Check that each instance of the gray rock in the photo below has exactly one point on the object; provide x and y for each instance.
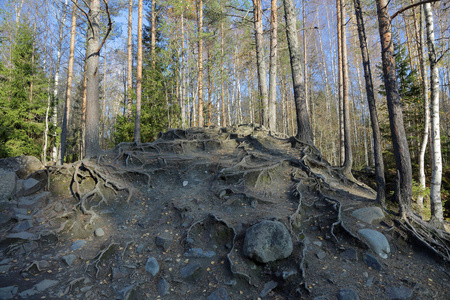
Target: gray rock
(34, 200)
(199, 253)
(128, 293)
(22, 226)
(30, 186)
(8, 292)
(7, 185)
(220, 294)
(28, 293)
(321, 254)
(45, 284)
(185, 183)
(318, 243)
(140, 248)
(152, 266)
(4, 218)
(23, 165)
(78, 244)
(376, 241)
(349, 254)
(398, 292)
(68, 259)
(267, 241)
(99, 232)
(22, 236)
(191, 271)
(347, 294)
(163, 287)
(21, 217)
(164, 241)
(368, 214)
(372, 261)
(268, 287)
(119, 272)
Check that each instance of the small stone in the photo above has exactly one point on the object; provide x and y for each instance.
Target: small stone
(4, 218)
(349, 254)
(43, 264)
(287, 274)
(8, 292)
(152, 266)
(128, 293)
(68, 259)
(30, 186)
(78, 244)
(45, 284)
(4, 269)
(185, 183)
(28, 293)
(199, 253)
(99, 232)
(22, 236)
(140, 248)
(22, 226)
(372, 261)
(347, 294)
(163, 287)
(321, 254)
(268, 287)
(164, 241)
(317, 243)
(376, 241)
(190, 270)
(118, 272)
(220, 294)
(398, 292)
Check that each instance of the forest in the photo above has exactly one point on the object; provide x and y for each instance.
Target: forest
(364, 82)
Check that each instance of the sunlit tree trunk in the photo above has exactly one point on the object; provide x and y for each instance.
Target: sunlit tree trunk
(437, 217)
(273, 66)
(403, 189)
(222, 92)
(426, 105)
(137, 121)
(183, 76)
(200, 63)
(130, 60)
(304, 133)
(340, 83)
(153, 33)
(67, 105)
(261, 65)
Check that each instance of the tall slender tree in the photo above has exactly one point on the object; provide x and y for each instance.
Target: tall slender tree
(130, 59)
(304, 132)
(378, 154)
(137, 120)
(200, 62)
(403, 190)
(273, 66)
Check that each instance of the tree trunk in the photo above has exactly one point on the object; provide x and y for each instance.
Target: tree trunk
(137, 121)
(426, 105)
(222, 92)
(183, 76)
(153, 34)
(305, 63)
(69, 82)
(130, 60)
(83, 111)
(340, 83)
(348, 162)
(210, 87)
(403, 190)
(304, 133)
(92, 63)
(437, 217)
(200, 63)
(261, 65)
(103, 112)
(273, 66)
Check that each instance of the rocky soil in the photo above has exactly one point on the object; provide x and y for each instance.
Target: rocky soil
(215, 213)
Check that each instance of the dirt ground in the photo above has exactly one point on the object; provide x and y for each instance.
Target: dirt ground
(201, 189)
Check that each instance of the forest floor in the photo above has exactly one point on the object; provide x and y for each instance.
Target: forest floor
(167, 220)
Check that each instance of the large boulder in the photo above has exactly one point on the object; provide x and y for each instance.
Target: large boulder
(23, 165)
(8, 180)
(267, 241)
(368, 214)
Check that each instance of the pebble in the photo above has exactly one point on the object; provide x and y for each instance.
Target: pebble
(164, 241)
(4, 269)
(45, 284)
(268, 287)
(77, 245)
(317, 243)
(68, 259)
(163, 287)
(321, 254)
(152, 266)
(372, 261)
(185, 183)
(190, 270)
(140, 248)
(349, 254)
(220, 294)
(347, 294)
(99, 232)
(199, 253)
(399, 292)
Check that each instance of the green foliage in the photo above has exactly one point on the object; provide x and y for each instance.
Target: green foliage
(22, 116)
(418, 191)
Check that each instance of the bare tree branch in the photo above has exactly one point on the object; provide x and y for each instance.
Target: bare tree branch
(82, 10)
(411, 6)
(109, 26)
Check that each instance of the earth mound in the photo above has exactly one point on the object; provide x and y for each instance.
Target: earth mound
(168, 220)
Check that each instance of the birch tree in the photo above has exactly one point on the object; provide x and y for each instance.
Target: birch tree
(273, 66)
(137, 120)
